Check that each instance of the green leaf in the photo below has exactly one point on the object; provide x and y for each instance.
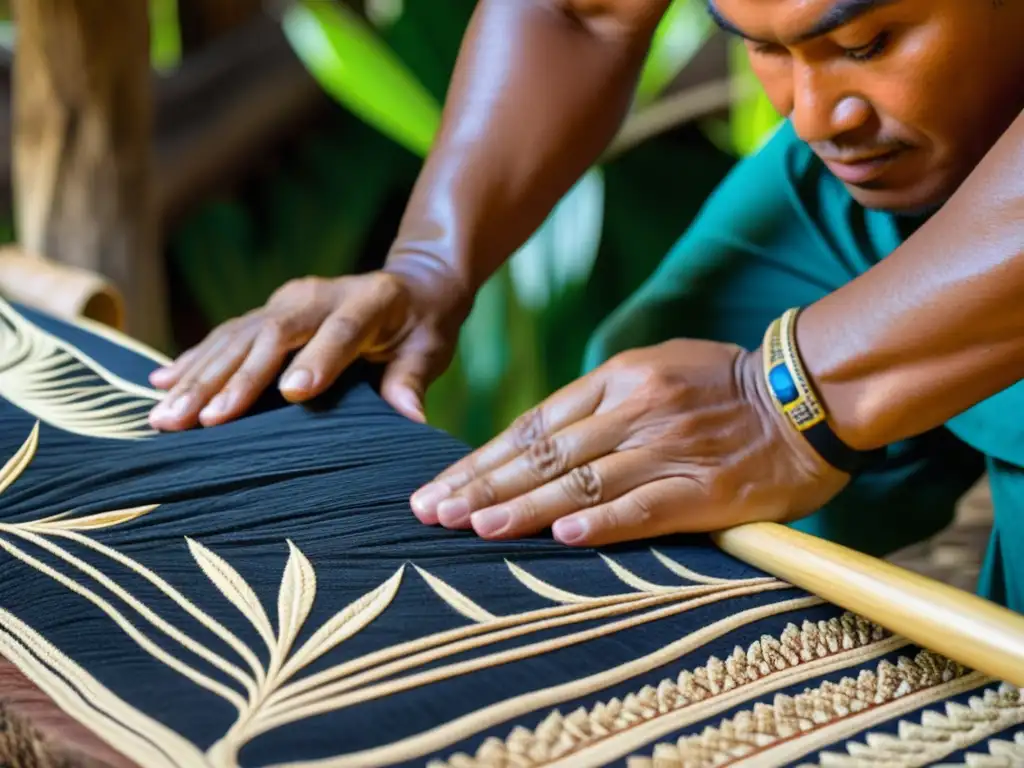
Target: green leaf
(428, 41)
(681, 33)
(355, 67)
(753, 117)
(165, 34)
(561, 253)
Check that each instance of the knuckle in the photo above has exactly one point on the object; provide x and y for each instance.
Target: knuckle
(342, 328)
(387, 286)
(525, 515)
(583, 486)
(528, 429)
(276, 329)
(242, 379)
(483, 492)
(546, 458)
(300, 292)
(638, 513)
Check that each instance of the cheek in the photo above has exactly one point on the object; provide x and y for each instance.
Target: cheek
(921, 103)
(774, 74)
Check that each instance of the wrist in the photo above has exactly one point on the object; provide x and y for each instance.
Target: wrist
(795, 396)
(435, 279)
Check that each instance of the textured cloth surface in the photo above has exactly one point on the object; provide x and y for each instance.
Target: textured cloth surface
(260, 594)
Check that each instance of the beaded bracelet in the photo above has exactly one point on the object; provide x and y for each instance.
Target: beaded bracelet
(796, 399)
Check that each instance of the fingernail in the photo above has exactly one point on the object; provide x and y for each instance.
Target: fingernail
(569, 530)
(179, 405)
(216, 407)
(411, 405)
(426, 500)
(299, 379)
(453, 512)
(490, 521)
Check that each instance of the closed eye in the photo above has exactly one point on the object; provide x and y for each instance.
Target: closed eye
(769, 49)
(869, 51)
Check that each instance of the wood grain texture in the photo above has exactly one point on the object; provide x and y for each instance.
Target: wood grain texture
(949, 621)
(83, 123)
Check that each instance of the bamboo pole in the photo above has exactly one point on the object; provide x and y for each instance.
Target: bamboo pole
(964, 627)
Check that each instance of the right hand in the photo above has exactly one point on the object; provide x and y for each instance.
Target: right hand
(409, 319)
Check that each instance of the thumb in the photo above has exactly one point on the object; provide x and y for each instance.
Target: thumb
(405, 382)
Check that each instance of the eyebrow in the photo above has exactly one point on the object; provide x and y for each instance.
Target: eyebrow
(841, 13)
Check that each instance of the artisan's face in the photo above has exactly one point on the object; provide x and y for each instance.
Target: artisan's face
(900, 98)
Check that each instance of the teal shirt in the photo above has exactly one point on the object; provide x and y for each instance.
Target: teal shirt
(782, 231)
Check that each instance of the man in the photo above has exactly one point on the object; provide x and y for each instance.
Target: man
(890, 207)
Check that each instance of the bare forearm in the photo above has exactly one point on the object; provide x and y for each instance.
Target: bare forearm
(938, 326)
(539, 90)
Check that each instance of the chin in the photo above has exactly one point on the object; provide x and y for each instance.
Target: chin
(920, 200)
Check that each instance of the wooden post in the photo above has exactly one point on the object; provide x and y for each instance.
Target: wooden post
(83, 122)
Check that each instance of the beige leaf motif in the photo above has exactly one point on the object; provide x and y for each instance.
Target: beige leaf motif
(544, 589)
(12, 470)
(99, 520)
(344, 624)
(294, 599)
(54, 381)
(628, 577)
(699, 578)
(234, 588)
(456, 599)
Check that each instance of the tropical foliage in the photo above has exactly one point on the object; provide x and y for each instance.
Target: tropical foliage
(332, 203)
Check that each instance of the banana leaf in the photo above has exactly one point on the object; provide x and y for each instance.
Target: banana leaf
(350, 61)
(165, 34)
(681, 33)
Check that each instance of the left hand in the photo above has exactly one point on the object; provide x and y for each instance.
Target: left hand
(679, 437)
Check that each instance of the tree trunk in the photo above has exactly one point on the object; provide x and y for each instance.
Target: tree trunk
(83, 122)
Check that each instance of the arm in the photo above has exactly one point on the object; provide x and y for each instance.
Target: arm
(936, 327)
(539, 90)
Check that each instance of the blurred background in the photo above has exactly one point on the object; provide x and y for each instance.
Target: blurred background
(286, 137)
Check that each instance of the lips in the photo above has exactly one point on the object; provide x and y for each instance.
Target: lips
(862, 169)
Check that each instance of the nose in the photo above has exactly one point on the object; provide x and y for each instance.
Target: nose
(820, 109)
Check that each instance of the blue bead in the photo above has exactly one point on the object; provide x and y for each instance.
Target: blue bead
(781, 382)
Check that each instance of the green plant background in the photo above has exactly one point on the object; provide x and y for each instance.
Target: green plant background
(331, 202)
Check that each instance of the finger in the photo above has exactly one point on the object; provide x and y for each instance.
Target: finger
(586, 486)
(548, 459)
(180, 408)
(337, 342)
(253, 377)
(573, 403)
(405, 382)
(663, 507)
(169, 375)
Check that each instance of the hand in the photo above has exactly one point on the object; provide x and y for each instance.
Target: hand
(408, 315)
(680, 437)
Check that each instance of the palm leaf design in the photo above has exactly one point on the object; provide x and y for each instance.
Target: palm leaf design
(12, 470)
(455, 599)
(63, 521)
(58, 384)
(267, 695)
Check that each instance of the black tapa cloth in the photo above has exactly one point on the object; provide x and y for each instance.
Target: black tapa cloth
(257, 509)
